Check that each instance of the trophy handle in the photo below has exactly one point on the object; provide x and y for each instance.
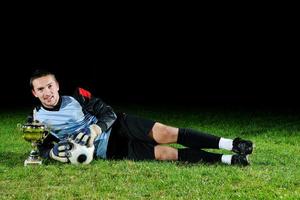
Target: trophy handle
(19, 127)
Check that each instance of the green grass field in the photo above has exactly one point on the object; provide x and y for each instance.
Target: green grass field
(274, 172)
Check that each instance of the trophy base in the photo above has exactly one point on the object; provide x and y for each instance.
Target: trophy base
(32, 162)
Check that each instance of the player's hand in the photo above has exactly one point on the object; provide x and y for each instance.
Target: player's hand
(60, 151)
(88, 135)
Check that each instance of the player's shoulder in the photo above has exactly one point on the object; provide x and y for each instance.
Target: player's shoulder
(68, 102)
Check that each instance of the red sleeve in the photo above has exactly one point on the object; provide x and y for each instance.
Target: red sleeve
(85, 93)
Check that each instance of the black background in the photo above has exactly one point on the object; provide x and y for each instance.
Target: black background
(221, 61)
(173, 79)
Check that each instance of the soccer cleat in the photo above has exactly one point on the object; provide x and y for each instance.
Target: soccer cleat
(241, 160)
(243, 147)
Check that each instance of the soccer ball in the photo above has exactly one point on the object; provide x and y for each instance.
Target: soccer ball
(80, 154)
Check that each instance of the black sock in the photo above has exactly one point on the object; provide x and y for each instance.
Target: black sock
(197, 140)
(193, 156)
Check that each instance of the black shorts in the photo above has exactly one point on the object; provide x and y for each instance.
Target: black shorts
(129, 138)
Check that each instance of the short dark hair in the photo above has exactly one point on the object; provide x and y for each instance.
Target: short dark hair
(39, 73)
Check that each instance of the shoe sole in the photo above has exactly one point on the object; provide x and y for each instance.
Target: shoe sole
(248, 160)
(253, 147)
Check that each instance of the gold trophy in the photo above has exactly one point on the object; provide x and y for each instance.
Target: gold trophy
(34, 133)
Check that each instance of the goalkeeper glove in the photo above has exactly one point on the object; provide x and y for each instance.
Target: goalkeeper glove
(88, 135)
(60, 151)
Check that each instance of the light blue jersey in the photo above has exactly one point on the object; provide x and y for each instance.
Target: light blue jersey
(69, 120)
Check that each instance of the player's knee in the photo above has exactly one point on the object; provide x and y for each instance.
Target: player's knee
(164, 134)
(160, 153)
(165, 153)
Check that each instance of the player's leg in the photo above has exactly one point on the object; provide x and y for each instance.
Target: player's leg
(148, 131)
(164, 134)
(194, 156)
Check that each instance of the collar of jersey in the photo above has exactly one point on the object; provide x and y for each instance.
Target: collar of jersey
(56, 107)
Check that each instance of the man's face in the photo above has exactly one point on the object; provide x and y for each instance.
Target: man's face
(46, 89)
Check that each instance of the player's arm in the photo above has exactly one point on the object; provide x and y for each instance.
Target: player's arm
(47, 144)
(95, 106)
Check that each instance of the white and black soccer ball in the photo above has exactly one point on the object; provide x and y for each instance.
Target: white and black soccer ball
(80, 154)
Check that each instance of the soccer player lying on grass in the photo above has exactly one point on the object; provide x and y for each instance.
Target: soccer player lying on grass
(90, 121)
